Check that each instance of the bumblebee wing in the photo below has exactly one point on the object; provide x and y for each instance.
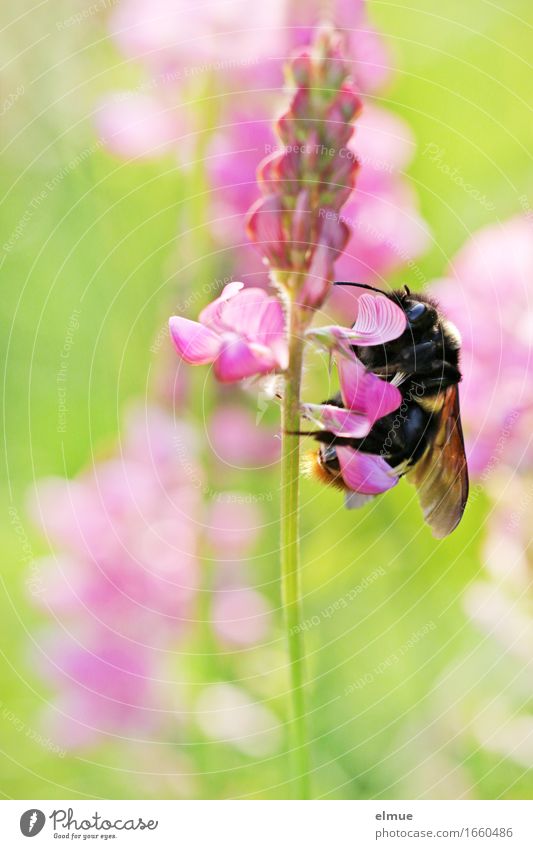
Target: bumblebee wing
(441, 474)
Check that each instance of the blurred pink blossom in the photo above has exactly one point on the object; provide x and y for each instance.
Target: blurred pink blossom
(106, 686)
(387, 229)
(237, 440)
(233, 524)
(498, 605)
(384, 143)
(166, 444)
(122, 583)
(184, 34)
(123, 580)
(488, 297)
(182, 39)
(372, 62)
(234, 153)
(240, 616)
(137, 126)
(506, 549)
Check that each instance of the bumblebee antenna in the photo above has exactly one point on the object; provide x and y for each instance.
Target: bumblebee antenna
(360, 286)
(373, 289)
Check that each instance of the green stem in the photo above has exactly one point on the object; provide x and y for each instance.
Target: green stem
(290, 577)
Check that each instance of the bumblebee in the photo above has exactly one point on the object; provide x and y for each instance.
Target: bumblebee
(423, 439)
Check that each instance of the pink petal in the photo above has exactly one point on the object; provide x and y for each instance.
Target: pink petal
(352, 375)
(378, 320)
(242, 314)
(195, 343)
(388, 230)
(363, 391)
(381, 398)
(366, 473)
(272, 331)
(338, 420)
(260, 319)
(239, 359)
(210, 316)
(233, 525)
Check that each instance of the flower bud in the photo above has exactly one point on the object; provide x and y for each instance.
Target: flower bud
(317, 284)
(302, 220)
(301, 69)
(265, 227)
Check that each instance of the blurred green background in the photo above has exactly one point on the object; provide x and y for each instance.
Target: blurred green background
(103, 241)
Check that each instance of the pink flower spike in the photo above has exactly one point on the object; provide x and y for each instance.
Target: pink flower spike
(338, 420)
(363, 391)
(365, 473)
(194, 342)
(378, 320)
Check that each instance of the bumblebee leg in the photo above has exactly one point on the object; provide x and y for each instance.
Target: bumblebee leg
(314, 433)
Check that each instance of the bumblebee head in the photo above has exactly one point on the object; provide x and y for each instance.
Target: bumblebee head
(420, 311)
(420, 315)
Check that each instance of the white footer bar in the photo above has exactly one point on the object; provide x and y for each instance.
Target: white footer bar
(268, 824)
